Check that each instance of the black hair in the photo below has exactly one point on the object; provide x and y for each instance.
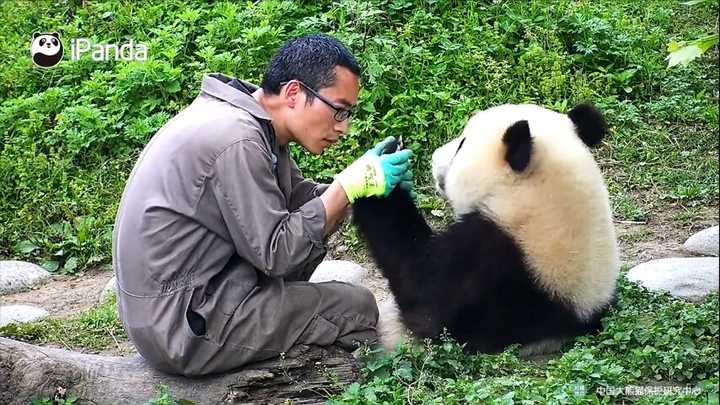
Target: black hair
(310, 59)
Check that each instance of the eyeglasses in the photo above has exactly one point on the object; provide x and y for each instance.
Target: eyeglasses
(341, 114)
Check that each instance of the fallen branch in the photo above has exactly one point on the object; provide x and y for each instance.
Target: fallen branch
(306, 375)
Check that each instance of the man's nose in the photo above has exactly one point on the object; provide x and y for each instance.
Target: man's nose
(342, 127)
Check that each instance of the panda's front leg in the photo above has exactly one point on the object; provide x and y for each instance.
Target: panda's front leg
(396, 233)
(402, 245)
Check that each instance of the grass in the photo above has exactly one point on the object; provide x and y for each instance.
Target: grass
(636, 236)
(97, 329)
(648, 341)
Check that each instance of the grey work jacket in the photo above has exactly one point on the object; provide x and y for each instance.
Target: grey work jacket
(211, 202)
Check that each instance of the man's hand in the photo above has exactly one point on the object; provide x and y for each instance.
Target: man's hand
(406, 183)
(375, 173)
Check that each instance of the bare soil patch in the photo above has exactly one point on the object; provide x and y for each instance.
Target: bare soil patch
(64, 295)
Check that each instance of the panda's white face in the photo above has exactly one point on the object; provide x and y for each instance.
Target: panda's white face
(554, 204)
(472, 172)
(45, 44)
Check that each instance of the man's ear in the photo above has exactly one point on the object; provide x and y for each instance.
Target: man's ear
(291, 92)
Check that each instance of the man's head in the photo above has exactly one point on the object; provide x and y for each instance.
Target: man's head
(303, 69)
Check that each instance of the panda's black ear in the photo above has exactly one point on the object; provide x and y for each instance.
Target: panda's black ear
(36, 34)
(56, 35)
(590, 124)
(518, 143)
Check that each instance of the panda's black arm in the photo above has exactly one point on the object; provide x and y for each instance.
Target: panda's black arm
(399, 241)
(433, 274)
(395, 231)
(473, 256)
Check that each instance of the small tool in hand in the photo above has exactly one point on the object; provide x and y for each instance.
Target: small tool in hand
(394, 146)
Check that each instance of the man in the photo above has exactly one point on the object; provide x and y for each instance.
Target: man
(217, 231)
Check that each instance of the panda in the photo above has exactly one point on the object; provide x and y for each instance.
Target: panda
(46, 49)
(531, 257)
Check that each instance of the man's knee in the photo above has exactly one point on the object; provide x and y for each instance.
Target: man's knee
(357, 323)
(363, 303)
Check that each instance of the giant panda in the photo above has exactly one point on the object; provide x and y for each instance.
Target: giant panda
(531, 257)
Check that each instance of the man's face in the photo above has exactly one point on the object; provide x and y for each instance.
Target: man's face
(314, 125)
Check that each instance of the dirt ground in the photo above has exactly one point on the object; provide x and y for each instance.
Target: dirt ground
(64, 295)
(659, 237)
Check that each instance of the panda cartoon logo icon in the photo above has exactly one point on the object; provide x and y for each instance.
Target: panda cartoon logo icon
(46, 49)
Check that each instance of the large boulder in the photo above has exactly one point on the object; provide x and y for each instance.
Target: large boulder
(109, 290)
(20, 313)
(691, 278)
(704, 243)
(18, 276)
(338, 270)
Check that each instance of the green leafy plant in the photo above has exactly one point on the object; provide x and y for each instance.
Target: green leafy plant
(684, 52)
(165, 397)
(72, 399)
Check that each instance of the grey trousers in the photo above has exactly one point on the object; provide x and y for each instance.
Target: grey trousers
(280, 313)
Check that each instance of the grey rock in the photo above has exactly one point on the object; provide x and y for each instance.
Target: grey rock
(17, 276)
(338, 270)
(690, 278)
(109, 289)
(20, 313)
(704, 242)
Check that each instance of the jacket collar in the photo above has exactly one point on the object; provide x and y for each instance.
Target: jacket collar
(216, 85)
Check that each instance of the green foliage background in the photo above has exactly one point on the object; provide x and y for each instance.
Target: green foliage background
(70, 134)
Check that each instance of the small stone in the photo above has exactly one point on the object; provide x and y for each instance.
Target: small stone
(704, 242)
(20, 313)
(18, 276)
(689, 278)
(109, 289)
(338, 270)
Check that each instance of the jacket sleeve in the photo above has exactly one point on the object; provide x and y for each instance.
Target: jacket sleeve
(303, 190)
(263, 231)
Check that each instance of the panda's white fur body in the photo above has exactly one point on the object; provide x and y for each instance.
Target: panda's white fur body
(571, 242)
(390, 328)
(532, 219)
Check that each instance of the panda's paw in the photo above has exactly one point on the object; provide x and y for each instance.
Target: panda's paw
(399, 200)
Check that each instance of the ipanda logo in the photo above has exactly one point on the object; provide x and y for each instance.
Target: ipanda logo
(47, 50)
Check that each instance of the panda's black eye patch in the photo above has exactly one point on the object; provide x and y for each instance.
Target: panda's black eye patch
(54, 41)
(42, 41)
(456, 152)
(460, 146)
